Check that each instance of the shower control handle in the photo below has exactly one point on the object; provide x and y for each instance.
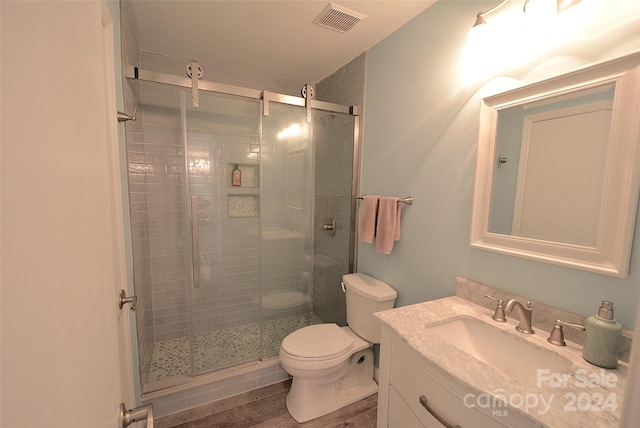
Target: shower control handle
(330, 227)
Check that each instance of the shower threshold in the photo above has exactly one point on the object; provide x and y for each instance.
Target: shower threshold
(223, 348)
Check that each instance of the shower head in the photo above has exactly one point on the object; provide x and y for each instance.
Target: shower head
(329, 113)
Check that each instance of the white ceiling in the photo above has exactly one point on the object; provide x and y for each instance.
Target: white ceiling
(271, 38)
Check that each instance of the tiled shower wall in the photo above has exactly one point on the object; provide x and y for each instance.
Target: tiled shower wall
(333, 178)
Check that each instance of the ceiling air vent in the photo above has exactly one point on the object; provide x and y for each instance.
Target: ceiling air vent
(338, 18)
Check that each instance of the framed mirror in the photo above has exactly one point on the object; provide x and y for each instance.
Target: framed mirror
(558, 169)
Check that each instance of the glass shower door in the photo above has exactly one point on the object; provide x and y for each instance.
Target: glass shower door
(334, 148)
(286, 219)
(221, 136)
(250, 192)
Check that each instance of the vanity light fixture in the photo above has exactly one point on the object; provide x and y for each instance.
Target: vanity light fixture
(480, 17)
(561, 6)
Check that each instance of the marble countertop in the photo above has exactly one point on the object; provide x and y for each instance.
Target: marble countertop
(584, 395)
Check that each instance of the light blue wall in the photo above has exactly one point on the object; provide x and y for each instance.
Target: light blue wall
(420, 139)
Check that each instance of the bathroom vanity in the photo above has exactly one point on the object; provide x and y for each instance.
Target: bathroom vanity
(448, 363)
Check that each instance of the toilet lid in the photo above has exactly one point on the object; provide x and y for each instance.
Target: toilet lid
(317, 341)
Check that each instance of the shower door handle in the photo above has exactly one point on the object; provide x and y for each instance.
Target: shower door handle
(195, 244)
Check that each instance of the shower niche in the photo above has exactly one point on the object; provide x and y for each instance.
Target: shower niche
(243, 198)
(243, 205)
(249, 175)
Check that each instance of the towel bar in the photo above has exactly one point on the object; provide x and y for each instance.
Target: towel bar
(408, 200)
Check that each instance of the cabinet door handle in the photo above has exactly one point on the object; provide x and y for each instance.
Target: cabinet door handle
(423, 401)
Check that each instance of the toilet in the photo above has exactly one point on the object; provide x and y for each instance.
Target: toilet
(332, 366)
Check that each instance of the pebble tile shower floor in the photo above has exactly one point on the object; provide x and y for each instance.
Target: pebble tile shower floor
(224, 347)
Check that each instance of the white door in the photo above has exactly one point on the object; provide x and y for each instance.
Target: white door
(558, 198)
(64, 340)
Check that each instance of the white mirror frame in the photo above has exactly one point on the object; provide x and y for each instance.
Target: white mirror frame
(611, 253)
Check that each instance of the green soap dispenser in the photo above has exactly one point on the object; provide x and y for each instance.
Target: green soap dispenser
(603, 338)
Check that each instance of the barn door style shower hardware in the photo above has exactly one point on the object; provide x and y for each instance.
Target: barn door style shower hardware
(136, 73)
(308, 93)
(194, 71)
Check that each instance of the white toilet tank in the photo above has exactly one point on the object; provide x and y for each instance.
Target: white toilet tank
(366, 295)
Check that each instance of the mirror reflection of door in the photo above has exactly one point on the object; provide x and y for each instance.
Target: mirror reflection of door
(551, 186)
(561, 174)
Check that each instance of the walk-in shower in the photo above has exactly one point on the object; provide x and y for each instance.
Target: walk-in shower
(228, 203)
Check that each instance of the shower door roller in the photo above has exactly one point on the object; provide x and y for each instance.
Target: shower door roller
(123, 300)
(127, 417)
(308, 92)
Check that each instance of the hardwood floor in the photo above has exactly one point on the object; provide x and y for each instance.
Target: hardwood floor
(265, 408)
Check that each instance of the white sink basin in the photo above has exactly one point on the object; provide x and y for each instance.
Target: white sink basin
(502, 350)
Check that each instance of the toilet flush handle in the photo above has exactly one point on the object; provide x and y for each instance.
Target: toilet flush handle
(344, 287)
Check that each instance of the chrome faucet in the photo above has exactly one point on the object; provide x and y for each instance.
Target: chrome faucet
(524, 312)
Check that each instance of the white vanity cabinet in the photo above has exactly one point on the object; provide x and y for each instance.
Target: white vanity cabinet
(409, 384)
(422, 374)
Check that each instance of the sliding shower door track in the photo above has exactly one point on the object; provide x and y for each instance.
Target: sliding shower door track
(133, 72)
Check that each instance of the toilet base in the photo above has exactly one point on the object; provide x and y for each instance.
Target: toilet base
(311, 398)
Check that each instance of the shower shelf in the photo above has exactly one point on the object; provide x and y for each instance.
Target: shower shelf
(243, 205)
(250, 175)
(243, 191)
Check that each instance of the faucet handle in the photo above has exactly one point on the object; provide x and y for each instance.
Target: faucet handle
(557, 334)
(499, 314)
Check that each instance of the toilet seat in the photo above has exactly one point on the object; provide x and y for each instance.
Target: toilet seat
(320, 341)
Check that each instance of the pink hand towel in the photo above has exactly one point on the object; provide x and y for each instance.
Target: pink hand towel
(388, 225)
(399, 212)
(368, 220)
